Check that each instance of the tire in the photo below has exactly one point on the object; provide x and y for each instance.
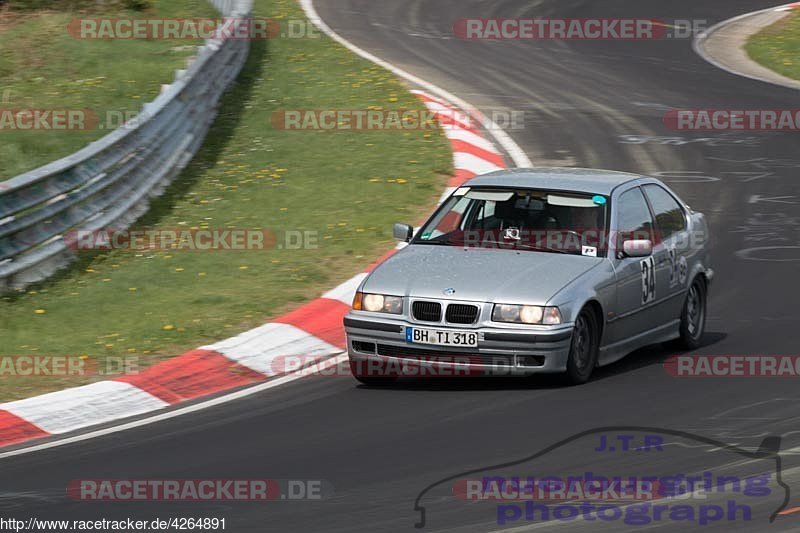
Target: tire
(583, 349)
(370, 381)
(693, 316)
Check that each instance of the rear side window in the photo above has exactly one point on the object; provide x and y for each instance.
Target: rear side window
(635, 221)
(670, 218)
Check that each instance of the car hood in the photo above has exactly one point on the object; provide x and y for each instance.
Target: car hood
(477, 274)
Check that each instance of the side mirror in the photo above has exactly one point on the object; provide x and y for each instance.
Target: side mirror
(637, 248)
(403, 232)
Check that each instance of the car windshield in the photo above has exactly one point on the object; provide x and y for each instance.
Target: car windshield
(523, 219)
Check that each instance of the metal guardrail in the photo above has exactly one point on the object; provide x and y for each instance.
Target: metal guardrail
(108, 184)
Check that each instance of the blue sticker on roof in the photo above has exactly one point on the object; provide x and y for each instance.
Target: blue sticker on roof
(599, 200)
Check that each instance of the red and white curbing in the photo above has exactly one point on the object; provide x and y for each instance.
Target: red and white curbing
(788, 7)
(313, 331)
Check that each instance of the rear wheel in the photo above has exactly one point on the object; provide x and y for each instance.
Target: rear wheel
(372, 381)
(693, 316)
(583, 349)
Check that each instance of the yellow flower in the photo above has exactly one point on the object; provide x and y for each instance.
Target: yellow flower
(168, 327)
(40, 311)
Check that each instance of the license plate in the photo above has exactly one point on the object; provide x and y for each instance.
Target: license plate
(442, 337)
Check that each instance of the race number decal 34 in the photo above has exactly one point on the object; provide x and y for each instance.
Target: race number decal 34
(648, 267)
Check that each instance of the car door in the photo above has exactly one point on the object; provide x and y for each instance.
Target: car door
(671, 233)
(636, 277)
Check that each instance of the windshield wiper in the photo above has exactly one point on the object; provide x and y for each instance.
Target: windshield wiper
(527, 247)
(446, 242)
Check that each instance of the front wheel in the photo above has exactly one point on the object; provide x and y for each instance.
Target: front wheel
(693, 316)
(583, 349)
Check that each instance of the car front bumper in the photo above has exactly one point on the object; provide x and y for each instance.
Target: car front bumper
(377, 345)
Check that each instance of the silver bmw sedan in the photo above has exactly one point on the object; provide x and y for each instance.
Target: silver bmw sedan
(546, 270)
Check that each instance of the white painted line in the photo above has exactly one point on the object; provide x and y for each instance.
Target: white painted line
(435, 100)
(177, 412)
(461, 119)
(473, 163)
(468, 137)
(71, 409)
(514, 151)
(259, 348)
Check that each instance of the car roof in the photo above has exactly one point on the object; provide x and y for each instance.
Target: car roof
(555, 178)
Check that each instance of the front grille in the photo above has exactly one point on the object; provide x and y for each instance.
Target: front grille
(427, 311)
(461, 314)
(404, 352)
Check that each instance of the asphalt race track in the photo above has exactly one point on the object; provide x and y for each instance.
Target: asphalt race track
(586, 103)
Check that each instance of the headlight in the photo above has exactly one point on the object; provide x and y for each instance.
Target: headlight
(378, 303)
(526, 314)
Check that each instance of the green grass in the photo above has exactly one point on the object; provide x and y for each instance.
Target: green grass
(778, 46)
(349, 187)
(42, 66)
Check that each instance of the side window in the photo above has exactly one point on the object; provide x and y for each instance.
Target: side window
(634, 220)
(670, 218)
